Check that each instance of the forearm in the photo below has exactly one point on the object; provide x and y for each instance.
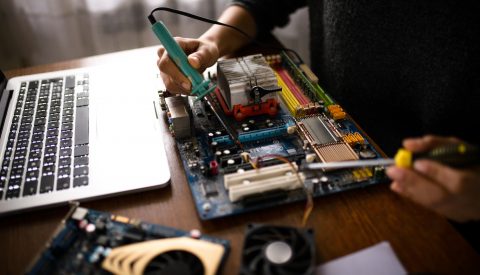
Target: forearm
(227, 39)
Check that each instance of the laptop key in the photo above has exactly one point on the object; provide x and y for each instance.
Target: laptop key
(46, 185)
(80, 161)
(64, 162)
(80, 171)
(63, 183)
(81, 150)
(80, 181)
(81, 125)
(64, 172)
(66, 143)
(82, 102)
(67, 134)
(67, 126)
(70, 82)
(30, 187)
(65, 152)
(13, 189)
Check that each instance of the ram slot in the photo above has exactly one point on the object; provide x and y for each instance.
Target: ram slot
(313, 90)
(290, 101)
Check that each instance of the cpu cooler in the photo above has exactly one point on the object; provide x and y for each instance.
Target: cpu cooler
(180, 255)
(272, 250)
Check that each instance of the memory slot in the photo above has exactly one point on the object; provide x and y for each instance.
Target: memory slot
(313, 90)
(299, 95)
(287, 96)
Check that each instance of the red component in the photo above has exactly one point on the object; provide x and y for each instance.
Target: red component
(269, 107)
(222, 102)
(241, 112)
(213, 168)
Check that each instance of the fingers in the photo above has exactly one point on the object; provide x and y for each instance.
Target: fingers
(175, 81)
(450, 179)
(204, 57)
(416, 187)
(427, 142)
(202, 54)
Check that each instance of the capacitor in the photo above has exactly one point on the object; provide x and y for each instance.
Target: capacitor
(367, 154)
(195, 233)
(218, 155)
(213, 168)
(214, 145)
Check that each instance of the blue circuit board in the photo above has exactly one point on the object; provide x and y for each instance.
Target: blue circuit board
(218, 143)
(87, 236)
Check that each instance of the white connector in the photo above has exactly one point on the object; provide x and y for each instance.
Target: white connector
(258, 181)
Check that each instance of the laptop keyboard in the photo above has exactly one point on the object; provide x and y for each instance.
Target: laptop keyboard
(48, 147)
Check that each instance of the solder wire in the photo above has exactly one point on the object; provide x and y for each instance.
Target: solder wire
(250, 38)
(309, 204)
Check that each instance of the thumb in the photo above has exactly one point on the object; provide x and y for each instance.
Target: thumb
(194, 60)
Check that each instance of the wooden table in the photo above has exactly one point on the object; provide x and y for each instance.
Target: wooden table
(343, 223)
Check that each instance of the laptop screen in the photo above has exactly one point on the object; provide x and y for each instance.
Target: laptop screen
(5, 98)
(3, 81)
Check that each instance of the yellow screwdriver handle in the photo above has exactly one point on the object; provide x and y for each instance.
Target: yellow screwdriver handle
(455, 155)
(403, 158)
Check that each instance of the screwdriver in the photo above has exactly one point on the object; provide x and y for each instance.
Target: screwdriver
(454, 155)
(200, 86)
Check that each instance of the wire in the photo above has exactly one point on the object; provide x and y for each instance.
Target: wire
(309, 204)
(200, 18)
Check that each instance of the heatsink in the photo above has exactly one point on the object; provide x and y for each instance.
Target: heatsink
(166, 256)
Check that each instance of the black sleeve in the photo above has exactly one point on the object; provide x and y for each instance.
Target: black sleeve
(270, 13)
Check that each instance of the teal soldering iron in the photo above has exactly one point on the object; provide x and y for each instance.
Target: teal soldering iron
(200, 86)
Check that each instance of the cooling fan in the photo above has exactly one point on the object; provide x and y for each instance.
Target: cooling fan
(272, 250)
(181, 255)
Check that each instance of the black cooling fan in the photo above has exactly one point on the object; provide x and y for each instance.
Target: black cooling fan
(277, 250)
(175, 262)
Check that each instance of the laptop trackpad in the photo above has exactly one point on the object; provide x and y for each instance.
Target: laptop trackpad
(128, 142)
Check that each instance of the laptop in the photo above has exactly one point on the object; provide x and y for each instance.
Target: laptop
(80, 134)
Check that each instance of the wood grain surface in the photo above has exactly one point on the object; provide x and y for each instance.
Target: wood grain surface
(343, 223)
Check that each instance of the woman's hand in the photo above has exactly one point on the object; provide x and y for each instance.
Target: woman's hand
(452, 192)
(201, 53)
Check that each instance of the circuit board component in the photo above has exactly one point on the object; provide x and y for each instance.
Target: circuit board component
(254, 182)
(248, 86)
(306, 126)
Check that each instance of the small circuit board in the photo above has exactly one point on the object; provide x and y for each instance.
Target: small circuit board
(245, 146)
(94, 242)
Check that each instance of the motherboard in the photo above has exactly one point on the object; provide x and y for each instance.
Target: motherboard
(246, 146)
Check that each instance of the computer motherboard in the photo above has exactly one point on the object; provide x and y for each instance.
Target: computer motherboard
(245, 146)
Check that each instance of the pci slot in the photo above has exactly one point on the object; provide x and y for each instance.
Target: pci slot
(254, 182)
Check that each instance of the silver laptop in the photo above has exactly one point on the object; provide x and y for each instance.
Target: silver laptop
(80, 134)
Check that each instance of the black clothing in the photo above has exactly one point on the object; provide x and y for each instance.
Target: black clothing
(400, 68)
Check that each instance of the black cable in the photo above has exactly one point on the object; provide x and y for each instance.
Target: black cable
(152, 19)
